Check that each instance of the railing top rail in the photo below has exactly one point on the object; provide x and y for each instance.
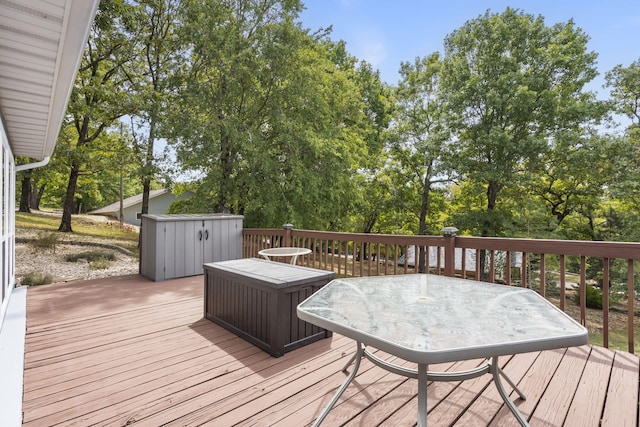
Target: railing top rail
(397, 239)
(263, 231)
(626, 250)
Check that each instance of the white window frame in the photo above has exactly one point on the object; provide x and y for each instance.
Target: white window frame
(7, 232)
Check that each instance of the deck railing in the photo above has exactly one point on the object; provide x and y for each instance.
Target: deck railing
(557, 269)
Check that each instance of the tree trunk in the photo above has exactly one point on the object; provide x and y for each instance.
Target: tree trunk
(488, 226)
(146, 179)
(36, 197)
(422, 227)
(69, 202)
(226, 167)
(25, 196)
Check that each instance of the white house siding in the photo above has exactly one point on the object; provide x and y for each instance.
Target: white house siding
(157, 205)
(7, 225)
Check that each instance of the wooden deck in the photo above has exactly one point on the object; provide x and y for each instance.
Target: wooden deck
(126, 350)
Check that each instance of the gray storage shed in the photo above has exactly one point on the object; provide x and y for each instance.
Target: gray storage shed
(178, 245)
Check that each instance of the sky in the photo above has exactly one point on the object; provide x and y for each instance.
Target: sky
(388, 32)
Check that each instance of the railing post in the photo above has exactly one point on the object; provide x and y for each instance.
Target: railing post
(287, 235)
(449, 250)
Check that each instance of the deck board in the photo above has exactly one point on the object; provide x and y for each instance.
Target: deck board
(622, 395)
(556, 400)
(126, 350)
(485, 407)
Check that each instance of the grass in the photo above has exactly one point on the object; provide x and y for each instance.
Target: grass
(99, 264)
(618, 340)
(36, 279)
(46, 241)
(91, 256)
(82, 225)
(98, 260)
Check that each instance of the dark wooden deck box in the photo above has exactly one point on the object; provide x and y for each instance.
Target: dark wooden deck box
(257, 299)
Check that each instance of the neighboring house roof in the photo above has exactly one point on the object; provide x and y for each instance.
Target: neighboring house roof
(41, 46)
(128, 202)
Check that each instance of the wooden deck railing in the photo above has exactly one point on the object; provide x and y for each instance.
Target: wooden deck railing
(556, 269)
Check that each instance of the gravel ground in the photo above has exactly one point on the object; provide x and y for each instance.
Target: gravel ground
(30, 259)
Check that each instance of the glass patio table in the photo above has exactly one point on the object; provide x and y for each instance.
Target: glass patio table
(430, 319)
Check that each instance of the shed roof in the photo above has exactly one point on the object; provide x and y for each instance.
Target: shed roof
(128, 202)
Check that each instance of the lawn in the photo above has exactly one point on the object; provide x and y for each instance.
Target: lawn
(618, 340)
(85, 227)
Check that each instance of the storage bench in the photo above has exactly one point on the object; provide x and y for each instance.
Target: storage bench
(257, 299)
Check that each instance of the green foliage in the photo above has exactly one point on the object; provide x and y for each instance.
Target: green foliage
(593, 297)
(99, 97)
(46, 241)
(509, 83)
(274, 120)
(419, 141)
(283, 125)
(624, 83)
(36, 279)
(98, 260)
(91, 256)
(99, 264)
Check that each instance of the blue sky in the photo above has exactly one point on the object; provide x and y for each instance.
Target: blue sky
(387, 32)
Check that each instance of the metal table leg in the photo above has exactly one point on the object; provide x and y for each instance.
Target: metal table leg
(423, 375)
(422, 395)
(357, 357)
(497, 373)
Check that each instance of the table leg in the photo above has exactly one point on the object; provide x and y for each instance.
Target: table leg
(497, 373)
(422, 395)
(345, 384)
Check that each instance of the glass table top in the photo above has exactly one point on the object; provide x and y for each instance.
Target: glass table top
(432, 319)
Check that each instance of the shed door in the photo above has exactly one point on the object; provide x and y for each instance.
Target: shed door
(183, 249)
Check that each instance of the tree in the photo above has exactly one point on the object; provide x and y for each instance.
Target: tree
(510, 84)
(99, 96)
(25, 195)
(375, 195)
(152, 26)
(267, 115)
(625, 185)
(625, 93)
(575, 173)
(419, 140)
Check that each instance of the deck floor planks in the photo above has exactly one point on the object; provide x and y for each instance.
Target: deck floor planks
(407, 412)
(484, 408)
(462, 397)
(555, 402)
(106, 380)
(109, 358)
(99, 334)
(587, 406)
(404, 392)
(60, 357)
(286, 411)
(173, 393)
(253, 371)
(621, 408)
(89, 299)
(533, 385)
(124, 387)
(98, 338)
(128, 326)
(368, 403)
(239, 401)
